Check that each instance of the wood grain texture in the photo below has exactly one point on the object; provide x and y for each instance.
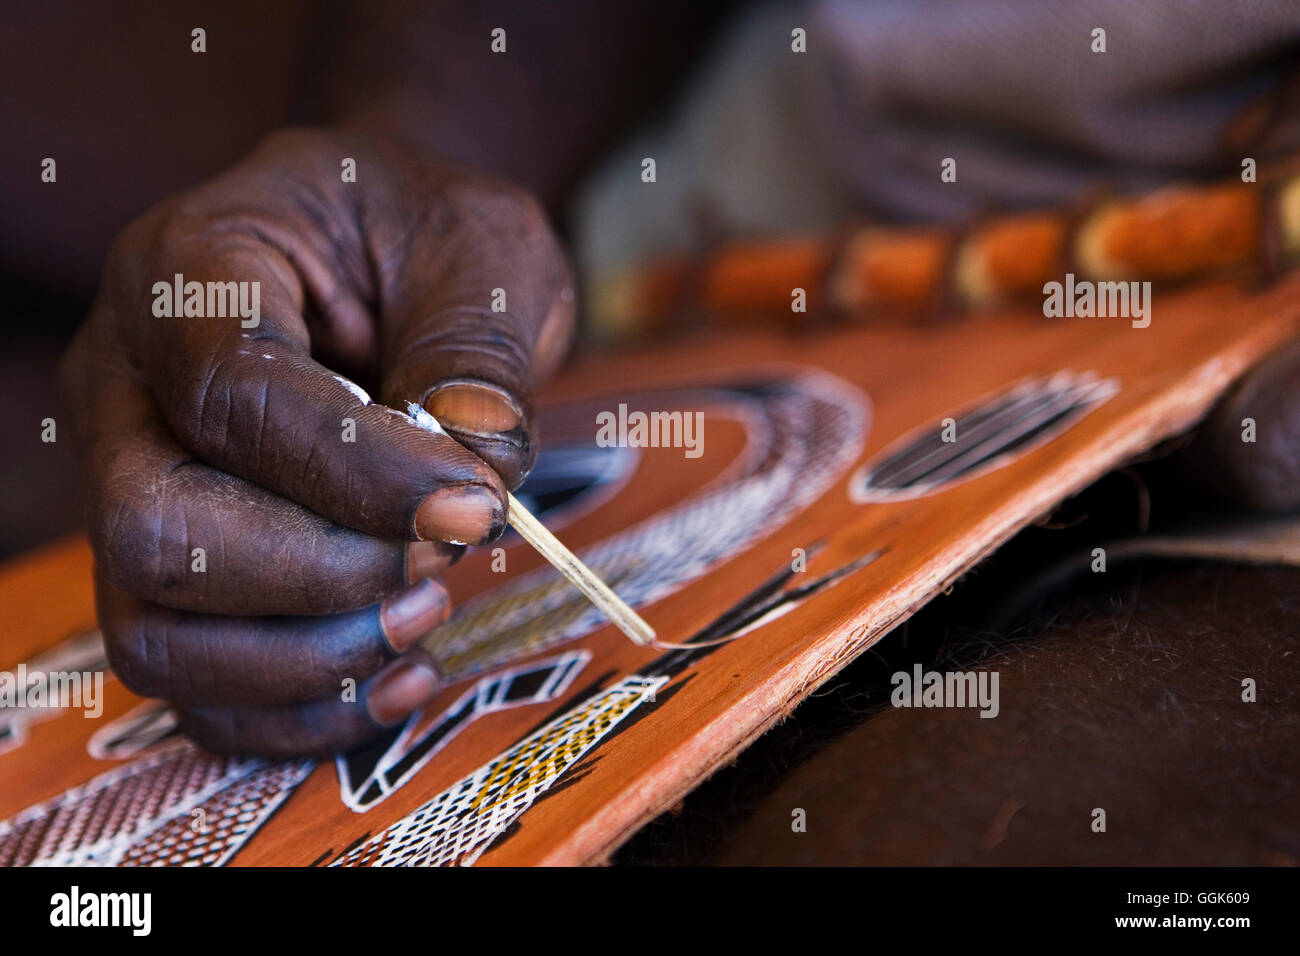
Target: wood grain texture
(1169, 374)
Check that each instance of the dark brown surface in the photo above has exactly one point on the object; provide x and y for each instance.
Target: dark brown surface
(1125, 695)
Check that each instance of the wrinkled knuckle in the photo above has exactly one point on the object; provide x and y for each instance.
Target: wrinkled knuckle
(137, 655)
(125, 525)
(216, 406)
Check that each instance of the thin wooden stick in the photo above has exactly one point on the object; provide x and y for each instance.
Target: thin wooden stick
(581, 576)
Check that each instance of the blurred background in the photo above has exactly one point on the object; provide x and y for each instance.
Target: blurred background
(751, 134)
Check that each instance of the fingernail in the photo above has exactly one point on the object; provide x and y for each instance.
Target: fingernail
(460, 514)
(426, 559)
(474, 408)
(404, 686)
(408, 616)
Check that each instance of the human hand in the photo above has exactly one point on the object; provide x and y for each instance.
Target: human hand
(263, 532)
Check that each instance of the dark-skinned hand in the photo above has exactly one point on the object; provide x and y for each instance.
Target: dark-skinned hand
(320, 554)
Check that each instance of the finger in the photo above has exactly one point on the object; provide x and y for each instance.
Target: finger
(174, 531)
(469, 324)
(210, 659)
(320, 727)
(1248, 450)
(255, 404)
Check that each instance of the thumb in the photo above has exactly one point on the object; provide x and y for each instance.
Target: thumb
(467, 334)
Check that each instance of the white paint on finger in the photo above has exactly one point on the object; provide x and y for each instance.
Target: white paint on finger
(357, 391)
(423, 419)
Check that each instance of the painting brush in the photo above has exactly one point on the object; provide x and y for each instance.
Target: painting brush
(582, 577)
(565, 561)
